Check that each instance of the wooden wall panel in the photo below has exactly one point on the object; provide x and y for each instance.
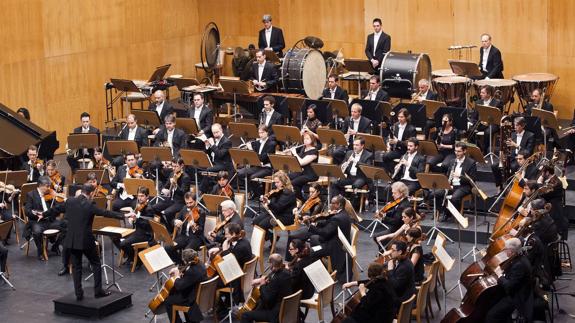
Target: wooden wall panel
(21, 35)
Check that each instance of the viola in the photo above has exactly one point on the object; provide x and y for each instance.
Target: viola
(226, 191)
(51, 195)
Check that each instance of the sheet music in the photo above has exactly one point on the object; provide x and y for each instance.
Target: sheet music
(158, 259)
(444, 257)
(256, 240)
(316, 248)
(229, 268)
(439, 241)
(209, 225)
(118, 230)
(348, 247)
(318, 276)
(460, 218)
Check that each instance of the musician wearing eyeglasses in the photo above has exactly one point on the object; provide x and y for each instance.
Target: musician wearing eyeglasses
(305, 155)
(485, 98)
(352, 126)
(400, 271)
(459, 170)
(350, 167)
(397, 142)
(85, 127)
(490, 62)
(271, 38)
(218, 149)
(263, 146)
(202, 114)
(300, 257)
(263, 73)
(333, 90)
(269, 115)
(188, 228)
(377, 44)
(410, 164)
(375, 92)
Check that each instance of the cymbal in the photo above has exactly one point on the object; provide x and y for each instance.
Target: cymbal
(313, 42)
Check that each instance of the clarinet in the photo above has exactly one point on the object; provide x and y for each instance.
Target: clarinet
(450, 179)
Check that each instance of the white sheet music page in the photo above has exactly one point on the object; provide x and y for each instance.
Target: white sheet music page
(229, 268)
(460, 218)
(158, 259)
(345, 243)
(444, 257)
(318, 276)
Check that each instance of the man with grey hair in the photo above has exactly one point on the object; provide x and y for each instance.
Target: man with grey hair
(490, 62)
(230, 215)
(271, 38)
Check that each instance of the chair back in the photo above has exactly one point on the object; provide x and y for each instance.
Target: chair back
(289, 309)
(161, 233)
(24, 189)
(240, 200)
(351, 211)
(248, 277)
(354, 235)
(404, 314)
(421, 302)
(433, 272)
(206, 295)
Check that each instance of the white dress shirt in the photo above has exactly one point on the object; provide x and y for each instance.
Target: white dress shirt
(269, 37)
(44, 205)
(353, 169)
(269, 116)
(375, 41)
(132, 133)
(518, 142)
(197, 112)
(260, 71)
(457, 171)
(159, 109)
(485, 56)
(406, 170)
(401, 129)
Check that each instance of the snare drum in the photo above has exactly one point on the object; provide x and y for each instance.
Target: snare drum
(400, 73)
(303, 70)
(505, 88)
(451, 89)
(526, 83)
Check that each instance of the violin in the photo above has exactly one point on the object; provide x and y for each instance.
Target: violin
(387, 207)
(269, 194)
(193, 214)
(140, 207)
(309, 204)
(101, 191)
(51, 195)
(133, 171)
(56, 180)
(226, 191)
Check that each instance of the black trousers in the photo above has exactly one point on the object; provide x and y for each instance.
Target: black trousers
(169, 209)
(457, 194)
(92, 255)
(299, 181)
(38, 230)
(126, 244)
(182, 242)
(388, 160)
(339, 186)
(501, 312)
(118, 203)
(3, 258)
(254, 172)
(175, 299)
(259, 316)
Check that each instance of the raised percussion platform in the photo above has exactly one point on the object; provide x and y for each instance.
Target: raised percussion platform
(92, 307)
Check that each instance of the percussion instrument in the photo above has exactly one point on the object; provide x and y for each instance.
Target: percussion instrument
(526, 83)
(400, 73)
(505, 87)
(451, 89)
(303, 70)
(440, 73)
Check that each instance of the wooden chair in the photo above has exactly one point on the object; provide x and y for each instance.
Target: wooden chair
(276, 230)
(240, 200)
(433, 273)
(363, 194)
(246, 280)
(404, 314)
(257, 243)
(289, 312)
(320, 300)
(421, 303)
(205, 298)
(354, 235)
(46, 235)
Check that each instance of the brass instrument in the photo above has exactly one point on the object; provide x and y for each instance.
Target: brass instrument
(415, 98)
(506, 131)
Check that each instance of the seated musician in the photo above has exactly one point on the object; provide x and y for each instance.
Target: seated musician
(333, 90)
(410, 220)
(142, 212)
(400, 271)
(223, 187)
(218, 150)
(102, 163)
(397, 142)
(85, 127)
(324, 233)
(410, 164)
(269, 115)
(485, 98)
(128, 170)
(393, 210)
(230, 215)
(6, 209)
(263, 73)
(33, 165)
(535, 103)
(415, 253)
(554, 194)
(375, 92)
(131, 131)
(517, 285)
(188, 228)
(300, 255)
(379, 302)
(352, 126)
(305, 155)
(162, 107)
(528, 172)
(460, 185)
(424, 91)
(202, 114)
(176, 186)
(529, 188)
(445, 139)
(170, 136)
(38, 202)
(280, 201)
(270, 37)
(306, 213)
(57, 180)
(264, 146)
(188, 277)
(350, 167)
(273, 288)
(311, 123)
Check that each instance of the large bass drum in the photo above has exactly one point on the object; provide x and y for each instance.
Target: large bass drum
(400, 73)
(303, 71)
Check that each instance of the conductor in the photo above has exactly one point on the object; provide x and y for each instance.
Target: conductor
(79, 213)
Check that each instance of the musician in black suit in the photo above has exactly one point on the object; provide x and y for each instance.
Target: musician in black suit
(550, 137)
(263, 147)
(456, 169)
(424, 91)
(333, 90)
(353, 125)
(490, 62)
(393, 216)
(202, 114)
(401, 272)
(377, 45)
(485, 98)
(263, 73)
(324, 233)
(517, 284)
(269, 115)
(123, 172)
(85, 127)
(161, 106)
(397, 142)
(131, 131)
(530, 172)
(410, 164)
(174, 188)
(188, 229)
(273, 288)
(3, 258)
(187, 280)
(39, 219)
(271, 38)
(375, 92)
(33, 165)
(280, 202)
(79, 214)
(229, 215)
(170, 136)
(350, 167)
(218, 149)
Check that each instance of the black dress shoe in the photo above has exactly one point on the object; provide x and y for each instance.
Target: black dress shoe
(63, 271)
(102, 293)
(6, 243)
(41, 258)
(80, 297)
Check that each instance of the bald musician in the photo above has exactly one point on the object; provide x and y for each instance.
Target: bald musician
(490, 62)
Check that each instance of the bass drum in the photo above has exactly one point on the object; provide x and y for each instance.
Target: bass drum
(400, 73)
(303, 71)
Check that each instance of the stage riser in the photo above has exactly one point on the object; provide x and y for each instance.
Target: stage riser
(90, 307)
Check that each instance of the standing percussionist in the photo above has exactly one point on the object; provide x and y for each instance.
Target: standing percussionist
(263, 74)
(377, 45)
(271, 38)
(490, 62)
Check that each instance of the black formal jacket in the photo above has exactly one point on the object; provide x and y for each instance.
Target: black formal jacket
(527, 142)
(402, 278)
(141, 137)
(272, 293)
(242, 250)
(142, 224)
(201, 222)
(269, 148)
(276, 40)
(276, 118)
(179, 140)
(79, 212)
(269, 75)
(366, 158)
(408, 132)
(299, 279)
(431, 95)
(216, 190)
(340, 94)
(221, 153)
(379, 303)
(494, 63)
(220, 235)
(187, 286)
(518, 284)
(206, 118)
(468, 167)
(417, 166)
(184, 182)
(34, 203)
(167, 109)
(282, 204)
(31, 168)
(119, 177)
(380, 95)
(393, 216)
(364, 126)
(383, 46)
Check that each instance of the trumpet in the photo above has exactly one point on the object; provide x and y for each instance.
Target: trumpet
(415, 98)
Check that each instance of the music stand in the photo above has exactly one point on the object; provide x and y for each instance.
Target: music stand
(474, 152)
(417, 111)
(247, 159)
(475, 190)
(339, 108)
(427, 148)
(81, 141)
(122, 147)
(434, 182)
(5, 228)
(358, 65)
(323, 111)
(155, 259)
(377, 174)
(287, 134)
(189, 125)
(16, 178)
(235, 87)
(244, 130)
(213, 202)
(431, 107)
(156, 154)
(196, 159)
(331, 137)
(295, 105)
(492, 116)
(147, 118)
(548, 120)
(467, 69)
(332, 172)
(288, 164)
(159, 73)
(373, 143)
(124, 87)
(113, 232)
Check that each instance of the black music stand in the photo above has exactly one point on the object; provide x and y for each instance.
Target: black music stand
(376, 174)
(113, 233)
(475, 190)
(332, 172)
(235, 87)
(288, 164)
(548, 120)
(287, 134)
(122, 147)
(247, 159)
(16, 178)
(339, 109)
(124, 87)
(244, 130)
(371, 110)
(157, 155)
(295, 105)
(147, 118)
(459, 117)
(323, 111)
(358, 65)
(467, 69)
(196, 159)
(331, 137)
(416, 110)
(81, 141)
(5, 228)
(492, 116)
(432, 181)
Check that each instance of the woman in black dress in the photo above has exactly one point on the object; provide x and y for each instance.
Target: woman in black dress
(415, 253)
(445, 140)
(301, 258)
(306, 155)
(280, 201)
